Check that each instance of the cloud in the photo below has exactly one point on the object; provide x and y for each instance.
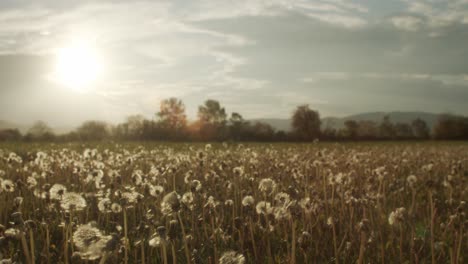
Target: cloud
(409, 23)
(253, 55)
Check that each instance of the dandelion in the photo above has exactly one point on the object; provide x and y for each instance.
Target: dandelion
(196, 186)
(264, 208)
(248, 201)
(12, 233)
(232, 257)
(229, 202)
(208, 147)
(281, 213)
(104, 205)
(31, 182)
(411, 180)
(57, 191)
(238, 171)
(159, 238)
(211, 203)
(307, 205)
(137, 177)
(130, 198)
(170, 203)
(187, 200)
(188, 177)
(90, 242)
(72, 201)
(156, 191)
(282, 198)
(267, 186)
(116, 208)
(396, 216)
(8, 186)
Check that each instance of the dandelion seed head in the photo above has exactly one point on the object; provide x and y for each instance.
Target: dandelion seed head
(72, 201)
(170, 203)
(248, 201)
(267, 186)
(8, 186)
(264, 208)
(57, 191)
(232, 257)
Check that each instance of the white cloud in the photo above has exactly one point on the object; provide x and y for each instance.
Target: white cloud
(408, 23)
(341, 20)
(248, 50)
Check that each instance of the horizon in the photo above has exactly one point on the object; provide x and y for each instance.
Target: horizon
(24, 127)
(65, 63)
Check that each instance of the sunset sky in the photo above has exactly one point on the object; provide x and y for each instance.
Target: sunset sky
(69, 61)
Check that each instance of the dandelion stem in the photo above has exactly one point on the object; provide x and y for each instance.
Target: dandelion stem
(362, 248)
(460, 235)
(24, 244)
(335, 248)
(174, 256)
(432, 227)
(104, 258)
(143, 252)
(125, 235)
(253, 239)
(215, 240)
(186, 249)
(65, 247)
(293, 243)
(401, 243)
(31, 242)
(164, 253)
(47, 244)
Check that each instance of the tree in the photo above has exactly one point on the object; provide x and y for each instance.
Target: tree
(212, 112)
(403, 131)
(237, 126)
(351, 128)
(263, 131)
(93, 130)
(451, 127)
(367, 130)
(10, 135)
(134, 126)
(212, 120)
(306, 123)
(420, 129)
(172, 117)
(40, 131)
(386, 128)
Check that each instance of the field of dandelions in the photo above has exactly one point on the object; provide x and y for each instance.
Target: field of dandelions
(234, 203)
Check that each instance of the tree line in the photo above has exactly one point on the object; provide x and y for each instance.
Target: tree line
(214, 124)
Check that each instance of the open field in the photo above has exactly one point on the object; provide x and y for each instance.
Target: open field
(234, 203)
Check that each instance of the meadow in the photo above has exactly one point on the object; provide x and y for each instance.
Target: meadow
(234, 203)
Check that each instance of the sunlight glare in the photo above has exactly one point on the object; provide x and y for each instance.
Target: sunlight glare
(78, 66)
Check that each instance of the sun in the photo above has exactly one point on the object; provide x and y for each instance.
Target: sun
(78, 66)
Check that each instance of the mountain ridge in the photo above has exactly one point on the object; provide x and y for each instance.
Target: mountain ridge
(339, 122)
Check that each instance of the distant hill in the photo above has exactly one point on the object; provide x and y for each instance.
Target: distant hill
(395, 117)
(338, 122)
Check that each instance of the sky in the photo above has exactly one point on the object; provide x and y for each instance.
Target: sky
(260, 58)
